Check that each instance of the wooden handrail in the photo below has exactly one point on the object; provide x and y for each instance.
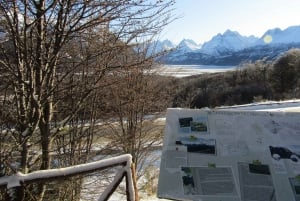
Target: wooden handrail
(125, 160)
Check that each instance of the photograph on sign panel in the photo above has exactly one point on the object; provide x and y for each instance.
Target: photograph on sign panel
(208, 181)
(197, 126)
(185, 124)
(198, 145)
(295, 184)
(256, 182)
(200, 125)
(291, 152)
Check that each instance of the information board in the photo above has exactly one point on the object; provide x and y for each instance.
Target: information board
(219, 155)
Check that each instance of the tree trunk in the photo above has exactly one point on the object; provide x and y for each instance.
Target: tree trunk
(46, 157)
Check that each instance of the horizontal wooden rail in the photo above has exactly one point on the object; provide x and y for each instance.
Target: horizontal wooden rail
(125, 160)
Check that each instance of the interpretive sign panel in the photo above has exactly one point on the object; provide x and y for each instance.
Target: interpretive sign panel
(219, 155)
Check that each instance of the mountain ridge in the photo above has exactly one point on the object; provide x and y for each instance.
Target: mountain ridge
(233, 45)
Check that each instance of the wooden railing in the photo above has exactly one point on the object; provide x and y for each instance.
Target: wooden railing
(127, 171)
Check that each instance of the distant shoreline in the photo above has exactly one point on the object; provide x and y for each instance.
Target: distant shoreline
(189, 70)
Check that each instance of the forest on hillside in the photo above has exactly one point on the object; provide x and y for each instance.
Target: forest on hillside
(251, 82)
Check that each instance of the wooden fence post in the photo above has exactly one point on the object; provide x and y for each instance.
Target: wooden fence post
(136, 194)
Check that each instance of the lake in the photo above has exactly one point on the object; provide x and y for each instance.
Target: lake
(188, 70)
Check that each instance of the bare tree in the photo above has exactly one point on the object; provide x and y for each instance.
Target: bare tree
(53, 48)
(135, 101)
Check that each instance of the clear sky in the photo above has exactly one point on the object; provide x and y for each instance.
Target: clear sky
(200, 20)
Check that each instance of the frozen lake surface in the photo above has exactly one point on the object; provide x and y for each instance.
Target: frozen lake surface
(189, 70)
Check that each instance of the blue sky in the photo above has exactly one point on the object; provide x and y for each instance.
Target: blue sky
(200, 20)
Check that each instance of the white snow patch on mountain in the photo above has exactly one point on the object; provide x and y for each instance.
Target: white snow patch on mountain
(188, 45)
(232, 41)
(278, 36)
(228, 41)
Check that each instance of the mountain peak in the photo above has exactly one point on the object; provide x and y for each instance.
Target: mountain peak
(160, 46)
(229, 32)
(167, 43)
(187, 41)
(228, 41)
(278, 36)
(231, 42)
(231, 48)
(273, 31)
(188, 45)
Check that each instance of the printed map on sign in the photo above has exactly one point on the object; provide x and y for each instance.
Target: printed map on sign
(230, 156)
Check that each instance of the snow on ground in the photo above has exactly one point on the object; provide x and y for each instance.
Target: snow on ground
(290, 106)
(280, 106)
(96, 183)
(286, 106)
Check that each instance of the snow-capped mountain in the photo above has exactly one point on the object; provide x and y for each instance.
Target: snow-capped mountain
(231, 48)
(184, 47)
(160, 46)
(188, 45)
(166, 45)
(278, 36)
(229, 41)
